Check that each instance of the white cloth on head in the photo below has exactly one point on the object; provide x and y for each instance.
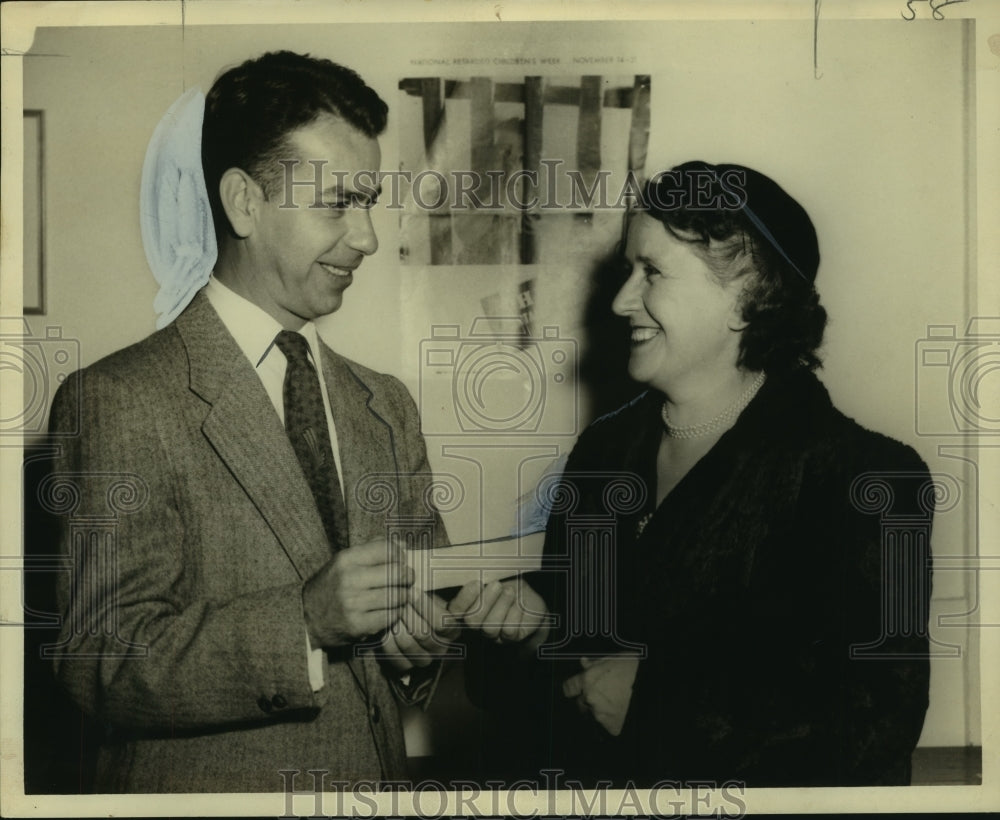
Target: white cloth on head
(174, 212)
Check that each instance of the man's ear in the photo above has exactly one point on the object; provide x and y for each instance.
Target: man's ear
(240, 195)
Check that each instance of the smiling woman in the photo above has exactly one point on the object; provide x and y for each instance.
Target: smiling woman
(746, 618)
(684, 321)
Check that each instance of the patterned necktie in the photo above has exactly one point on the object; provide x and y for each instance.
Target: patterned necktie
(305, 423)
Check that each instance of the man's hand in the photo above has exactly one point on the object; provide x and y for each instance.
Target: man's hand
(604, 688)
(506, 611)
(359, 592)
(420, 635)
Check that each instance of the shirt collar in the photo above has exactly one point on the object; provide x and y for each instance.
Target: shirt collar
(253, 328)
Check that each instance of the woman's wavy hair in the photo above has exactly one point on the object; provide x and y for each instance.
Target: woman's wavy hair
(742, 224)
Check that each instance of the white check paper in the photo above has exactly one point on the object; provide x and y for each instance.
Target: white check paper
(484, 561)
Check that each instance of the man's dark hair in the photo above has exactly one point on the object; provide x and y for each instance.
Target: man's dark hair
(252, 108)
(742, 223)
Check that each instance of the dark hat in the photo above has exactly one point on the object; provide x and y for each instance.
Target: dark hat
(755, 200)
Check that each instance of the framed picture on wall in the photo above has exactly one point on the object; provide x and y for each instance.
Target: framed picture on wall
(34, 211)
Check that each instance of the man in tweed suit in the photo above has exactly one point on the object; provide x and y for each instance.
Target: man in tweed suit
(235, 640)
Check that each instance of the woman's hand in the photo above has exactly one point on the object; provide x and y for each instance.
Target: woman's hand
(506, 611)
(604, 688)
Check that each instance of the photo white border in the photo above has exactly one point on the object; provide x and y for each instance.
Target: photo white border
(18, 22)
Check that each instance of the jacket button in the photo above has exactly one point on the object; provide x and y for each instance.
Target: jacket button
(374, 714)
(279, 702)
(264, 703)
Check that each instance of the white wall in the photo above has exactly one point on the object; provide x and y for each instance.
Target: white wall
(875, 149)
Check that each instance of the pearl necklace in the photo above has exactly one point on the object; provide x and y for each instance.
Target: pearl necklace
(720, 421)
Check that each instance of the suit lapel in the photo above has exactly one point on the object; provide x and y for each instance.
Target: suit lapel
(244, 429)
(366, 443)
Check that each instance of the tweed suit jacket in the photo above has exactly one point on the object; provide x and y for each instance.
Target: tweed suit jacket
(192, 651)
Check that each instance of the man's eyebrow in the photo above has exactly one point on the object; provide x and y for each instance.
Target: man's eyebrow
(336, 189)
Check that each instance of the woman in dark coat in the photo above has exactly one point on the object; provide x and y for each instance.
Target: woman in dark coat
(731, 601)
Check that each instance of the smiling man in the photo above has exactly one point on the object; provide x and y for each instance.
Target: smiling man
(271, 628)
